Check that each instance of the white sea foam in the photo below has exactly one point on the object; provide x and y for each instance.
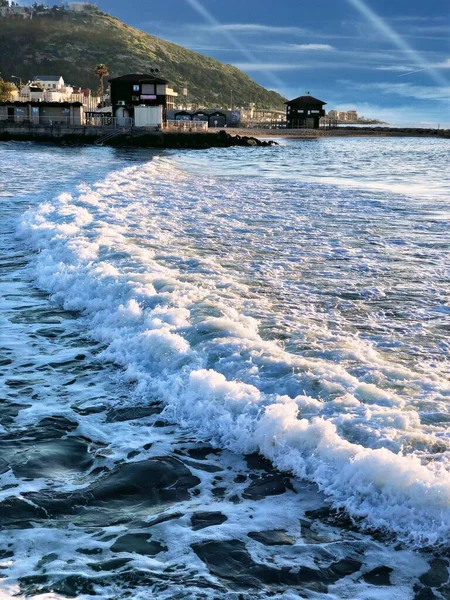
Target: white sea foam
(187, 330)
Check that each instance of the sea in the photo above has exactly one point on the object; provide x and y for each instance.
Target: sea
(225, 373)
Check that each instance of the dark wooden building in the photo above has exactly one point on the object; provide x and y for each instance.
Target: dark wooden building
(139, 89)
(304, 112)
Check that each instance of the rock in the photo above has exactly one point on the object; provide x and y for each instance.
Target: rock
(201, 520)
(437, 575)
(310, 536)
(138, 543)
(153, 482)
(258, 462)
(165, 518)
(202, 453)
(89, 551)
(131, 414)
(73, 586)
(208, 468)
(267, 485)
(52, 458)
(231, 561)
(378, 576)
(110, 565)
(219, 492)
(425, 594)
(16, 510)
(272, 538)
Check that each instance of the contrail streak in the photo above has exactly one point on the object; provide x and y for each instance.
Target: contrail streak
(209, 18)
(397, 40)
(412, 72)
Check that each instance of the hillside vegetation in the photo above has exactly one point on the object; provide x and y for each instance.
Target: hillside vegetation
(71, 44)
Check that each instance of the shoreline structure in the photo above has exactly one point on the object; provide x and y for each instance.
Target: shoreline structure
(196, 140)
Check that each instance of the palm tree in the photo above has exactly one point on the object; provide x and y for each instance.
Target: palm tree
(101, 70)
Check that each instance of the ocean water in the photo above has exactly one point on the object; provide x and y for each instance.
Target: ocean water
(225, 373)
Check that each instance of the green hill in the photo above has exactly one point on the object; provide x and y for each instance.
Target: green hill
(59, 42)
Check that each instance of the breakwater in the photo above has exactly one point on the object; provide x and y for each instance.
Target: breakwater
(141, 139)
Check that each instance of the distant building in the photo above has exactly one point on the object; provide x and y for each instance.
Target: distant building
(129, 92)
(260, 117)
(86, 92)
(32, 91)
(304, 112)
(214, 117)
(342, 115)
(23, 12)
(50, 82)
(81, 6)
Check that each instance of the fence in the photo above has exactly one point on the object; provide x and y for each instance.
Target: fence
(104, 122)
(38, 120)
(186, 125)
(99, 120)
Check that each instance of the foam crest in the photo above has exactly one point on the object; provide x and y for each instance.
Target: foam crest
(187, 330)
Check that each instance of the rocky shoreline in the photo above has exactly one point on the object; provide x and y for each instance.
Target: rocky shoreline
(202, 140)
(164, 140)
(345, 132)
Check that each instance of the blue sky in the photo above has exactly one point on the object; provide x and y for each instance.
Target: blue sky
(386, 58)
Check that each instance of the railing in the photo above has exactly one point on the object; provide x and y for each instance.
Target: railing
(108, 121)
(262, 125)
(107, 137)
(186, 125)
(38, 120)
(103, 122)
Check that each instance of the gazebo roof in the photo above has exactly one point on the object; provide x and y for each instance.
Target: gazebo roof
(306, 100)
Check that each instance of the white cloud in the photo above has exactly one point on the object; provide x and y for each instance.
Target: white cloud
(249, 28)
(406, 90)
(270, 66)
(313, 47)
(445, 64)
(415, 18)
(394, 68)
(405, 71)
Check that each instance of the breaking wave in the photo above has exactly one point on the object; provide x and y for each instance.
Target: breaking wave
(191, 331)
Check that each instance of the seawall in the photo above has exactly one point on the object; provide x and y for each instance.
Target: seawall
(76, 135)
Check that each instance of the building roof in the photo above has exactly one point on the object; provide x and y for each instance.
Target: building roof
(305, 100)
(138, 77)
(47, 78)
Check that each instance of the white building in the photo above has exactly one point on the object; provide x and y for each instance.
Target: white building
(36, 90)
(50, 82)
(351, 115)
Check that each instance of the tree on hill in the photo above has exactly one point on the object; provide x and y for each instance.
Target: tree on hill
(101, 70)
(7, 90)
